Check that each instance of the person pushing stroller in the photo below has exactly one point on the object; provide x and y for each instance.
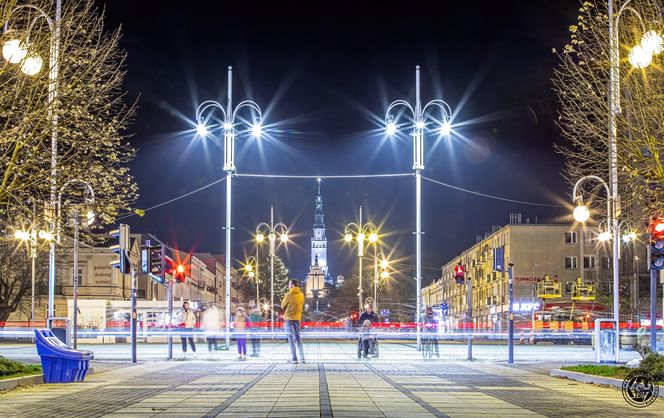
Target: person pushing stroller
(367, 342)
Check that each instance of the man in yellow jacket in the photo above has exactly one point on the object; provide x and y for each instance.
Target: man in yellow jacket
(292, 304)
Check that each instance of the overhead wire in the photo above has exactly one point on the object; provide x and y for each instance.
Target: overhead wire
(341, 176)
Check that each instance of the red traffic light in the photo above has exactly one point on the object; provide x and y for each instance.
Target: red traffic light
(657, 228)
(458, 270)
(180, 273)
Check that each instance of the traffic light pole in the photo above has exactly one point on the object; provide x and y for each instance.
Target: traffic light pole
(169, 293)
(653, 309)
(510, 336)
(469, 319)
(133, 314)
(75, 277)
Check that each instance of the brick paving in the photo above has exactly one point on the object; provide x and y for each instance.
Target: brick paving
(196, 388)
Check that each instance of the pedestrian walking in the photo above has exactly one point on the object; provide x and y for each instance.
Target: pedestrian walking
(256, 319)
(241, 326)
(292, 304)
(187, 321)
(211, 327)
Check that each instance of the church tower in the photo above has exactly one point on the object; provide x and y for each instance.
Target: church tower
(318, 240)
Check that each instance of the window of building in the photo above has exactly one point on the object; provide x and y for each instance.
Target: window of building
(570, 237)
(606, 263)
(80, 276)
(588, 261)
(570, 262)
(590, 237)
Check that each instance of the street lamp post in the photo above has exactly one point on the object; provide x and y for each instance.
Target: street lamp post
(75, 218)
(30, 238)
(640, 56)
(228, 125)
(361, 232)
(251, 269)
(384, 274)
(582, 214)
(17, 52)
(419, 124)
(271, 230)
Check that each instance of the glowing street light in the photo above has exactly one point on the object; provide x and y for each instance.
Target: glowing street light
(32, 64)
(229, 115)
(604, 236)
(257, 128)
(420, 115)
(581, 213)
(629, 236)
(360, 231)
(201, 129)
(384, 264)
(641, 55)
(390, 126)
(14, 51)
(446, 128)
(271, 230)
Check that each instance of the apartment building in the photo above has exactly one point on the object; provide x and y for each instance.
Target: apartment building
(562, 251)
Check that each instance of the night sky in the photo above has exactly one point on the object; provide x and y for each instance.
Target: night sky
(324, 73)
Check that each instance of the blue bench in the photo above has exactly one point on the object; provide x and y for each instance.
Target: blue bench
(61, 363)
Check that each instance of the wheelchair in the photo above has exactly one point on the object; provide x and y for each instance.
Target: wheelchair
(372, 352)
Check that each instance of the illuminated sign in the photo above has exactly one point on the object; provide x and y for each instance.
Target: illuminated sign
(525, 307)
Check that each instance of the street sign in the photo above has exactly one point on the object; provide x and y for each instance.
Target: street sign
(384, 312)
(444, 309)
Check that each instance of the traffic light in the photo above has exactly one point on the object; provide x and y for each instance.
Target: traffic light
(179, 273)
(152, 258)
(459, 274)
(121, 248)
(657, 243)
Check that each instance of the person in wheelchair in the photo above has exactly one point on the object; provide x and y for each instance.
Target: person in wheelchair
(367, 344)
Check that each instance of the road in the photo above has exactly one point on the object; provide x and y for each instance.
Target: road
(334, 351)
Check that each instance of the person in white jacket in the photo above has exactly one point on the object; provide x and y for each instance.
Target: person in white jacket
(187, 322)
(211, 326)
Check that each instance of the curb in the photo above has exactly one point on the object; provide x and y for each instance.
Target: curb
(8, 384)
(589, 378)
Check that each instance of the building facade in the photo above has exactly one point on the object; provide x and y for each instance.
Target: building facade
(563, 252)
(104, 293)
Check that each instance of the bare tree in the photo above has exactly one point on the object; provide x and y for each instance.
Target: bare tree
(92, 121)
(92, 115)
(581, 84)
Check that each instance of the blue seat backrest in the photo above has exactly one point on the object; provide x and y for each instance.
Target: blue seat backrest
(49, 342)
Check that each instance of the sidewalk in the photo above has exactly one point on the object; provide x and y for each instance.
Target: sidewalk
(195, 388)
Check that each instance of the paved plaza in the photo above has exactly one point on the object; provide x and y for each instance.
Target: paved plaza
(199, 388)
